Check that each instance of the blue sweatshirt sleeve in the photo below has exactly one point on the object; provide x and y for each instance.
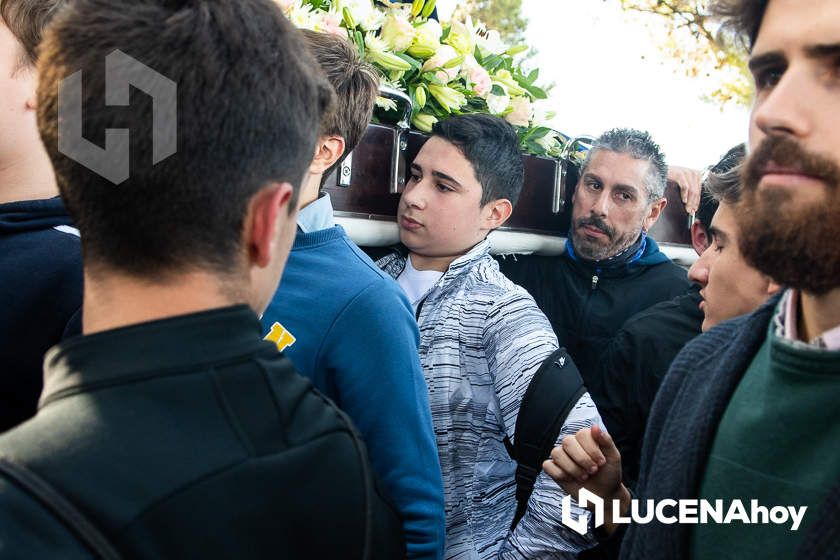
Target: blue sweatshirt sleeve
(371, 355)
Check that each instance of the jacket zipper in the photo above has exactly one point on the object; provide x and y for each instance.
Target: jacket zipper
(584, 311)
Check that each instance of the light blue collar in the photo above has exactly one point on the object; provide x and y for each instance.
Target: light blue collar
(317, 216)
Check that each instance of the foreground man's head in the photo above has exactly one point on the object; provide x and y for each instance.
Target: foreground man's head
(220, 211)
(790, 212)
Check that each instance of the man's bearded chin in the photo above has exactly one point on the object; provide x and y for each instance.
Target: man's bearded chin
(794, 243)
(593, 250)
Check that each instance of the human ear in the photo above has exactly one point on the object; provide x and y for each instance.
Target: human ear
(496, 213)
(699, 237)
(655, 211)
(772, 287)
(266, 209)
(328, 151)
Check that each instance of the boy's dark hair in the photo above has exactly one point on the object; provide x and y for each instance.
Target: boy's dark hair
(249, 106)
(26, 19)
(490, 144)
(707, 208)
(356, 85)
(742, 17)
(727, 186)
(721, 176)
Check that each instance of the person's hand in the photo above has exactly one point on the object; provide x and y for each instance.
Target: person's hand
(689, 181)
(589, 459)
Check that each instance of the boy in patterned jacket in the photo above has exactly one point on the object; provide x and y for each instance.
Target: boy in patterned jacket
(482, 339)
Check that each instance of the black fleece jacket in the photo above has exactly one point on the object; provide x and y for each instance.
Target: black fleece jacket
(629, 372)
(40, 290)
(586, 306)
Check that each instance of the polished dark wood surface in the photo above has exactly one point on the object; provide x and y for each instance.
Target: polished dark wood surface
(369, 196)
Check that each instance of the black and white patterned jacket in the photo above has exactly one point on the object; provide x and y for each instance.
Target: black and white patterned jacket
(482, 338)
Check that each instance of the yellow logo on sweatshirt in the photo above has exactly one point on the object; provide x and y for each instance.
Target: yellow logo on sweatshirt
(280, 336)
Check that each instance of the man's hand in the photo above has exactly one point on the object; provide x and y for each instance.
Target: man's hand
(689, 181)
(589, 459)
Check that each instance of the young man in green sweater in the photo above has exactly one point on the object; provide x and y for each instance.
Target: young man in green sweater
(749, 410)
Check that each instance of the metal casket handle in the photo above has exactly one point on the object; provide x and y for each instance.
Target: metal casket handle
(397, 180)
(558, 199)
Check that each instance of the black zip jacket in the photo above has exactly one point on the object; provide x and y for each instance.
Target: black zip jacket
(585, 305)
(192, 438)
(40, 290)
(630, 371)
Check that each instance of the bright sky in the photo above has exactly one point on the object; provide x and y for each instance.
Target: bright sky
(609, 73)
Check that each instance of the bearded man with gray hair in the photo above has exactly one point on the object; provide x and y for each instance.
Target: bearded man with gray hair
(611, 269)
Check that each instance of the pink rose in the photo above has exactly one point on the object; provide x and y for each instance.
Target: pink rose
(477, 75)
(482, 84)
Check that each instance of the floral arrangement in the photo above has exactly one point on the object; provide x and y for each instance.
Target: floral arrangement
(450, 68)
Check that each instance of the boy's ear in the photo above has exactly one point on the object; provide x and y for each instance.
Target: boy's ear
(496, 212)
(699, 237)
(328, 151)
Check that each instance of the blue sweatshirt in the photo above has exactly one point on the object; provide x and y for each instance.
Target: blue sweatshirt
(40, 290)
(348, 327)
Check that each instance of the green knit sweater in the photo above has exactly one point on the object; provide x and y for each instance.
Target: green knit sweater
(778, 443)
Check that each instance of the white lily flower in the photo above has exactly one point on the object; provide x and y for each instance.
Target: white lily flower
(497, 103)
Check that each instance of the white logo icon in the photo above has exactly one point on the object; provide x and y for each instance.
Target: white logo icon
(581, 524)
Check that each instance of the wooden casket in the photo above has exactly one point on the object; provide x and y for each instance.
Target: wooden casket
(365, 191)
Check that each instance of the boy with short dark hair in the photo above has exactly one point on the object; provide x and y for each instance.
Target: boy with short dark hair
(482, 338)
(356, 338)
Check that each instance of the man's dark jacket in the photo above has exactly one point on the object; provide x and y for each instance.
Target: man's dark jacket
(629, 372)
(681, 430)
(40, 290)
(585, 305)
(190, 437)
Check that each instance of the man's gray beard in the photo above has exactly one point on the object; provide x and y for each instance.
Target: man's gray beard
(594, 251)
